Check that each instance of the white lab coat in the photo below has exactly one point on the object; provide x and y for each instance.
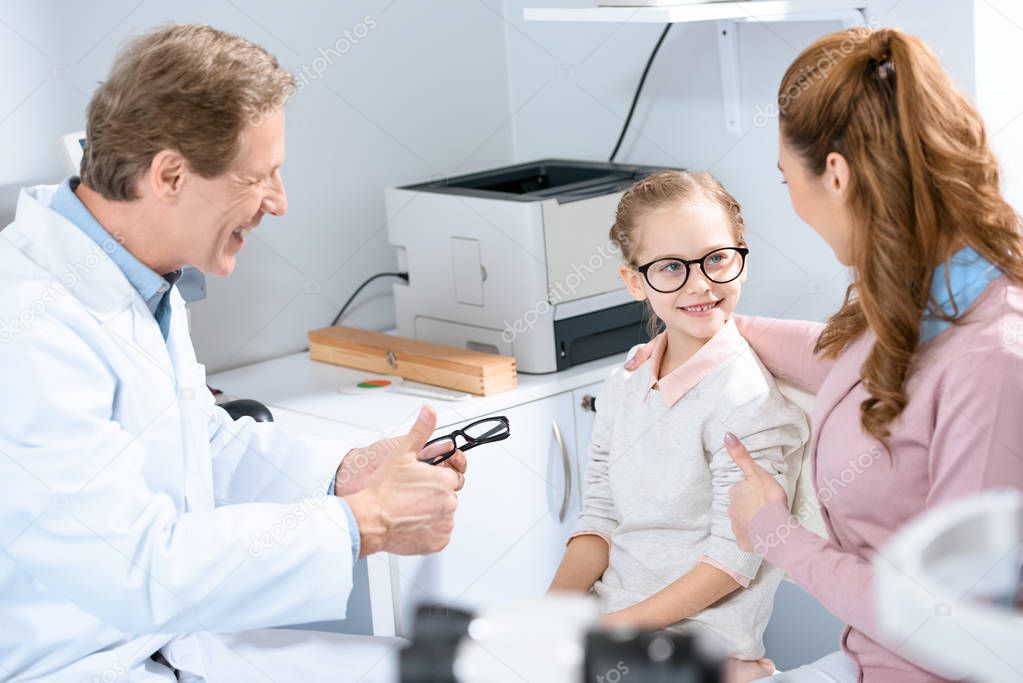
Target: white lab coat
(135, 514)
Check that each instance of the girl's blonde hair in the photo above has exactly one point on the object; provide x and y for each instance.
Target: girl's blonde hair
(923, 182)
(657, 190)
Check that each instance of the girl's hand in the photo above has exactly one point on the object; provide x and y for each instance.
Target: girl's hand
(750, 495)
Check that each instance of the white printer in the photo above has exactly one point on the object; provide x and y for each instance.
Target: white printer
(517, 261)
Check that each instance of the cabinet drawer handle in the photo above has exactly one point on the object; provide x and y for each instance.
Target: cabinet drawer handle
(588, 403)
(568, 471)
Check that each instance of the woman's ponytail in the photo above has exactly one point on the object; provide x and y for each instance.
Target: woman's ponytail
(923, 183)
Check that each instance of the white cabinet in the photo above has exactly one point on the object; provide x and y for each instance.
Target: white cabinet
(518, 507)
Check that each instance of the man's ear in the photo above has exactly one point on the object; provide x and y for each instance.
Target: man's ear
(168, 174)
(633, 282)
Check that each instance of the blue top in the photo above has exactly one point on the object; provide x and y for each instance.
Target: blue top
(153, 288)
(969, 274)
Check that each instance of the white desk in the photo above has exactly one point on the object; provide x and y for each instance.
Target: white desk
(302, 386)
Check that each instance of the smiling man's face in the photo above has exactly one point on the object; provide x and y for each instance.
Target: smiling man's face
(222, 211)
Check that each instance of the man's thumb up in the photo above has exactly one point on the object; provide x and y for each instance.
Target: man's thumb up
(420, 432)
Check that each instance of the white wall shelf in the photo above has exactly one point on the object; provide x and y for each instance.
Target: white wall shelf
(747, 10)
(725, 15)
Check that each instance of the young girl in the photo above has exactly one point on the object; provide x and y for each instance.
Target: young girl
(654, 541)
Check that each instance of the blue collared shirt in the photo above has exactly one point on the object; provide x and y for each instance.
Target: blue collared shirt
(152, 287)
(969, 274)
(353, 525)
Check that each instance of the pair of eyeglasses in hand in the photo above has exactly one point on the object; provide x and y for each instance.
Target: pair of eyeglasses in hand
(487, 430)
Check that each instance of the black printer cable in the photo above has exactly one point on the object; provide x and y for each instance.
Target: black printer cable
(403, 276)
(639, 89)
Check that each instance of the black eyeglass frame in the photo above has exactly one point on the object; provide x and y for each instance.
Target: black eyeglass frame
(471, 442)
(689, 263)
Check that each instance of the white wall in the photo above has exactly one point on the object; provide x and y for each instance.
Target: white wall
(999, 57)
(423, 92)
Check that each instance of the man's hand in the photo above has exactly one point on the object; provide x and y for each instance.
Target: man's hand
(407, 507)
(356, 468)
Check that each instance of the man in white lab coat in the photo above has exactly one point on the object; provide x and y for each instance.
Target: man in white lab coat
(139, 524)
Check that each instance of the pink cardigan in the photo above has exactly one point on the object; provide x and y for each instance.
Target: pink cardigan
(961, 432)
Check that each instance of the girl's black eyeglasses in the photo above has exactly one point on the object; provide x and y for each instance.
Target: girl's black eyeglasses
(667, 275)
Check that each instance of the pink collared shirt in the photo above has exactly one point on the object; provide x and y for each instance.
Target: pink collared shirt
(721, 347)
(961, 432)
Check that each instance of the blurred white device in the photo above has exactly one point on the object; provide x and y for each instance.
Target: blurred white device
(947, 588)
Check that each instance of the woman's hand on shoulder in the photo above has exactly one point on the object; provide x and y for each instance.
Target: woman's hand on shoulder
(638, 358)
(750, 495)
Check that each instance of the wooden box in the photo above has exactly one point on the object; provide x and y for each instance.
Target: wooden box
(417, 361)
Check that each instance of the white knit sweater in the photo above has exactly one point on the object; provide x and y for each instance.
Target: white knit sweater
(658, 480)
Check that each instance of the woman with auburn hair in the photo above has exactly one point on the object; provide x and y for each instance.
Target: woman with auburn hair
(919, 375)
